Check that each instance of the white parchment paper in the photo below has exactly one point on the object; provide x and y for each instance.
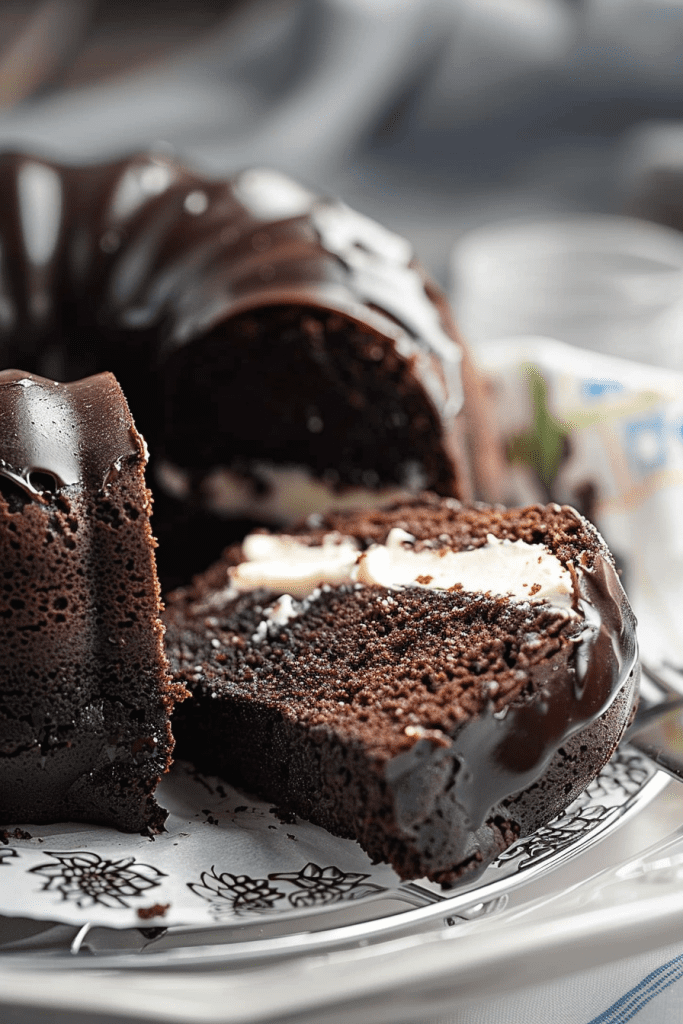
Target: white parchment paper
(227, 859)
(223, 857)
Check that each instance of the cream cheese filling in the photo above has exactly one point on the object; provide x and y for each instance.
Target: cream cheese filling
(285, 566)
(515, 569)
(290, 492)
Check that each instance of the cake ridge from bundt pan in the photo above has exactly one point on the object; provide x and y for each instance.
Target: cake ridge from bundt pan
(256, 328)
(435, 721)
(85, 691)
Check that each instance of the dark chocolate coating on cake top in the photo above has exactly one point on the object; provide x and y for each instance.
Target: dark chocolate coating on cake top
(57, 435)
(85, 693)
(434, 727)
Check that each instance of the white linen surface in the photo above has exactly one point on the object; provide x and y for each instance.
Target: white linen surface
(646, 987)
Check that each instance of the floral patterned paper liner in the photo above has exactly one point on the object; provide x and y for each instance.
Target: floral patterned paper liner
(236, 860)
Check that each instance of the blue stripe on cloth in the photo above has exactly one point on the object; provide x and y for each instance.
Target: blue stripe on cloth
(632, 1003)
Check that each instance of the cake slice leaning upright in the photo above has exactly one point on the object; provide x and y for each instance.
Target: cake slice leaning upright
(434, 680)
(85, 692)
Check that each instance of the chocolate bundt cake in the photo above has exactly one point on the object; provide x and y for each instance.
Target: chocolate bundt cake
(280, 352)
(434, 680)
(85, 692)
(384, 674)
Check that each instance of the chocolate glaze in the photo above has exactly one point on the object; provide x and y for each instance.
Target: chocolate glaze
(77, 433)
(146, 269)
(501, 753)
(116, 251)
(498, 754)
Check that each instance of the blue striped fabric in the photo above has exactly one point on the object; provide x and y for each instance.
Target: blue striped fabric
(633, 1002)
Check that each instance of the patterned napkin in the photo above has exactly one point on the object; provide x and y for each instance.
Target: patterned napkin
(605, 435)
(646, 987)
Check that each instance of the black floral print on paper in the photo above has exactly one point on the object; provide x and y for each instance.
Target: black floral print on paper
(553, 838)
(228, 893)
(312, 886)
(87, 879)
(623, 776)
(316, 885)
(6, 853)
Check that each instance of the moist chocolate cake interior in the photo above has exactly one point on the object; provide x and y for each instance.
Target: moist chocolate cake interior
(433, 726)
(306, 387)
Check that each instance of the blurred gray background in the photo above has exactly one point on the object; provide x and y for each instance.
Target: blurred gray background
(434, 116)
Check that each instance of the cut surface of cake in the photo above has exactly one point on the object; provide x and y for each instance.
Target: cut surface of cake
(85, 691)
(434, 680)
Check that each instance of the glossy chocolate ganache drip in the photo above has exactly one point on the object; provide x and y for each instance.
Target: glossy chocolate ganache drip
(465, 671)
(281, 353)
(85, 693)
(503, 752)
(60, 435)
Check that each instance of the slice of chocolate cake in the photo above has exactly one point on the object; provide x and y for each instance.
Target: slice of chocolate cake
(85, 692)
(434, 680)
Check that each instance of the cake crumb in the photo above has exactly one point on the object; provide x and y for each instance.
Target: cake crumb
(156, 910)
(284, 816)
(17, 833)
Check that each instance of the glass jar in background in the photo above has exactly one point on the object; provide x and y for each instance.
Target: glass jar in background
(606, 283)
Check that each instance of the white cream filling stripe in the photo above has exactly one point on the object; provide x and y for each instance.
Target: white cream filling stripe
(521, 571)
(286, 566)
(290, 492)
